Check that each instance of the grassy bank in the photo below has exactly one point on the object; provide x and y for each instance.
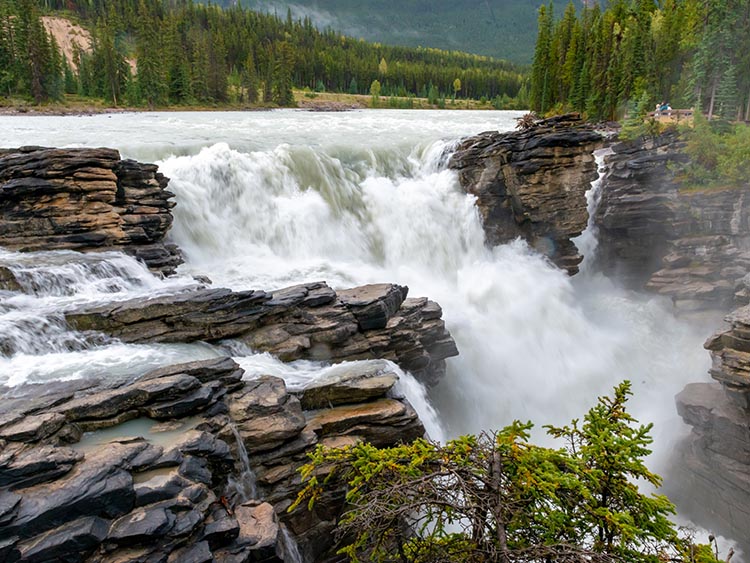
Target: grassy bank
(320, 101)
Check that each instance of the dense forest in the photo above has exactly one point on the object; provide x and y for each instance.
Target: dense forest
(496, 28)
(159, 52)
(689, 53)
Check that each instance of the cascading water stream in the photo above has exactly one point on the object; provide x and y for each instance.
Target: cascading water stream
(36, 345)
(588, 241)
(265, 200)
(242, 486)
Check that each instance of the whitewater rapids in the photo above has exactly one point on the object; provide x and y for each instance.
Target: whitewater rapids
(266, 200)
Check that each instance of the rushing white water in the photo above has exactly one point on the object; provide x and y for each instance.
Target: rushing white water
(243, 485)
(298, 374)
(35, 343)
(270, 199)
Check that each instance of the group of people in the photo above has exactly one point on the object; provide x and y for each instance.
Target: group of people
(663, 107)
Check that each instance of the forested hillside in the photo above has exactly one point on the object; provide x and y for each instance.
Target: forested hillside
(689, 53)
(497, 28)
(159, 52)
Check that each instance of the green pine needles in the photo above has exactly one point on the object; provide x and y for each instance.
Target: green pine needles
(499, 498)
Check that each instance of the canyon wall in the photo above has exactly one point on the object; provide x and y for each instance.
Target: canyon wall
(532, 184)
(655, 233)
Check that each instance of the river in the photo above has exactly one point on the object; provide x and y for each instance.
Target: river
(269, 199)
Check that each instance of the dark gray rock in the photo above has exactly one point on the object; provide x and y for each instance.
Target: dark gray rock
(108, 404)
(532, 184)
(159, 487)
(33, 428)
(196, 553)
(373, 305)
(221, 532)
(24, 467)
(97, 486)
(71, 542)
(142, 524)
(196, 469)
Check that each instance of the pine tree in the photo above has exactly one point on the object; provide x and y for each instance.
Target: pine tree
(251, 79)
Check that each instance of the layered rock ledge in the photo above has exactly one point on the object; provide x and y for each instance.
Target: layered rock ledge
(309, 321)
(690, 245)
(85, 199)
(186, 463)
(532, 184)
(714, 462)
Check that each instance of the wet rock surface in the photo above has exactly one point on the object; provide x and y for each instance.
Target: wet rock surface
(71, 494)
(690, 245)
(715, 460)
(309, 321)
(532, 184)
(85, 199)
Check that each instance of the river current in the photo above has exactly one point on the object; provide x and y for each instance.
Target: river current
(269, 199)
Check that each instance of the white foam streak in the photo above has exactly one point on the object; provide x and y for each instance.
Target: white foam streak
(36, 345)
(535, 344)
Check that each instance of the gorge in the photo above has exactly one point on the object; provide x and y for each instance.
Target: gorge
(289, 212)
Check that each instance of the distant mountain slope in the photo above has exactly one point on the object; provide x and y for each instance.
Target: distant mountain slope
(499, 28)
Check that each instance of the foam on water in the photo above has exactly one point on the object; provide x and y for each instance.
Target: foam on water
(267, 200)
(36, 345)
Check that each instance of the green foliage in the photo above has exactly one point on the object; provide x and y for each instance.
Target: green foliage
(493, 28)
(186, 52)
(375, 91)
(689, 52)
(719, 154)
(498, 497)
(637, 122)
(30, 62)
(432, 95)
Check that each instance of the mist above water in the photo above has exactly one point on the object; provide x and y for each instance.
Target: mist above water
(265, 200)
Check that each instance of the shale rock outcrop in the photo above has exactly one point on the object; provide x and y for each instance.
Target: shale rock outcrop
(715, 460)
(85, 199)
(690, 245)
(186, 463)
(309, 321)
(532, 184)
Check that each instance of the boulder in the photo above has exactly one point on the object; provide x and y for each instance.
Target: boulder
(532, 184)
(307, 321)
(72, 542)
(85, 199)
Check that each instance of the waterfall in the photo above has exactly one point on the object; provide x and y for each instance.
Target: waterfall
(289, 548)
(243, 487)
(588, 241)
(36, 345)
(534, 343)
(268, 199)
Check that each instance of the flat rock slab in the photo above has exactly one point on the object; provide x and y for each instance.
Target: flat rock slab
(349, 383)
(308, 321)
